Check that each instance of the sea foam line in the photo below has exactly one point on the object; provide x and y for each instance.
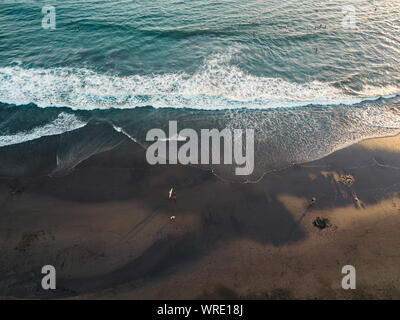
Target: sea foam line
(63, 123)
(215, 85)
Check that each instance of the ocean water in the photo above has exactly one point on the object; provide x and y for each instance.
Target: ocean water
(300, 73)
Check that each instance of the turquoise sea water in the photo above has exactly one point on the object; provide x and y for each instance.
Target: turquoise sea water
(292, 70)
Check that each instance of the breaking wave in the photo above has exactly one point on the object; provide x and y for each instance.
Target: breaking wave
(63, 123)
(215, 85)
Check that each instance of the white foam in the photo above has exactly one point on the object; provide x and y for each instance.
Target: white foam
(388, 91)
(63, 123)
(215, 85)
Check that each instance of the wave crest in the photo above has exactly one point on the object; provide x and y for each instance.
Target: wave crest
(215, 85)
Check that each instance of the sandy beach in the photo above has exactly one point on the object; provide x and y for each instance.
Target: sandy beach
(105, 226)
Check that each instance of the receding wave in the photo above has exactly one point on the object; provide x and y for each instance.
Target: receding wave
(63, 123)
(282, 136)
(215, 85)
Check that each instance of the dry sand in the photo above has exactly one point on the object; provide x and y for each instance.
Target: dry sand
(106, 228)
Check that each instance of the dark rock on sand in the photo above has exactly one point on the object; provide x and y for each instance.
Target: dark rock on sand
(321, 223)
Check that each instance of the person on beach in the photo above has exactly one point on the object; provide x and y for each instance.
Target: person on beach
(312, 202)
(172, 195)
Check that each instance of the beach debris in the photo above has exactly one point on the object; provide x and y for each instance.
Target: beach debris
(29, 239)
(321, 223)
(172, 218)
(347, 179)
(14, 192)
(15, 189)
(170, 193)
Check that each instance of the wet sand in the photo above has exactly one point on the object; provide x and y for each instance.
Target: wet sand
(106, 227)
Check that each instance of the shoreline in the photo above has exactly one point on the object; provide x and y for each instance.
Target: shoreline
(212, 170)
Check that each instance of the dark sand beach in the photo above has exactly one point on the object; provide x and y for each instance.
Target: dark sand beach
(106, 227)
(85, 86)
